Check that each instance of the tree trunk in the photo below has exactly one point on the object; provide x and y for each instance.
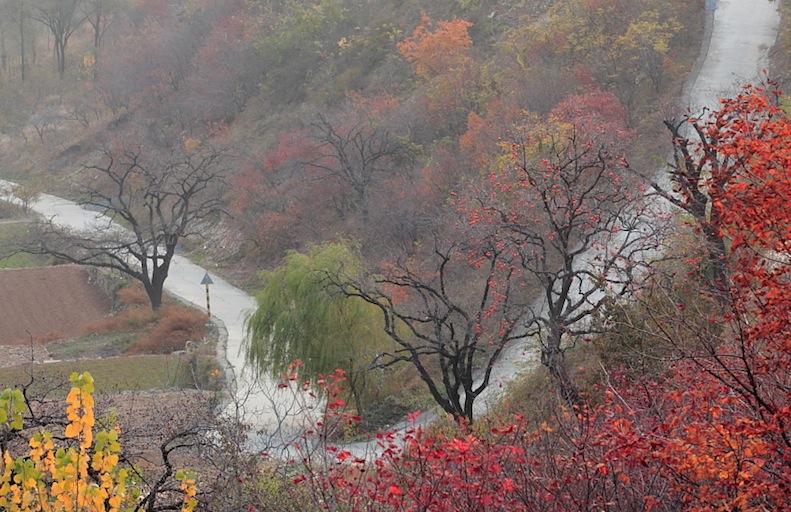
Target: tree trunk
(154, 293)
(552, 358)
(356, 381)
(22, 57)
(60, 56)
(717, 260)
(568, 390)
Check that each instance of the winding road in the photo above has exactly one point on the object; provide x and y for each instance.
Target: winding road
(735, 51)
(739, 35)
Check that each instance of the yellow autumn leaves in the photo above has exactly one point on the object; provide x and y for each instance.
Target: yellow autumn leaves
(83, 475)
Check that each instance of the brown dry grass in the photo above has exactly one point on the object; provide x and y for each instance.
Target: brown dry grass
(61, 304)
(175, 326)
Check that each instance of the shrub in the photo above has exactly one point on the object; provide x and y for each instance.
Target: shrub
(80, 470)
(132, 295)
(132, 318)
(176, 326)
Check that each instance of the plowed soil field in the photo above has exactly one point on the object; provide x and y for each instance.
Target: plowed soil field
(38, 305)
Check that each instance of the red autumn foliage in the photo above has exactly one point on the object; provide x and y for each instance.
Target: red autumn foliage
(710, 431)
(597, 115)
(379, 106)
(480, 141)
(220, 90)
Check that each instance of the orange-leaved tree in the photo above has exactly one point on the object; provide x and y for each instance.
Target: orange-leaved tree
(436, 48)
(78, 472)
(441, 54)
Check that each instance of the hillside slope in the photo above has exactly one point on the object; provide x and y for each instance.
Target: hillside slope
(412, 97)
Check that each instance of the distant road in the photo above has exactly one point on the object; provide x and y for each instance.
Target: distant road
(737, 51)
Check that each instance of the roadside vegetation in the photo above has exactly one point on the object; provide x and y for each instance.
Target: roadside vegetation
(134, 348)
(13, 224)
(409, 189)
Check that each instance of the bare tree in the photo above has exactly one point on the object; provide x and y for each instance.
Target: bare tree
(18, 12)
(578, 225)
(62, 18)
(356, 156)
(99, 14)
(695, 154)
(158, 202)
(451, 330)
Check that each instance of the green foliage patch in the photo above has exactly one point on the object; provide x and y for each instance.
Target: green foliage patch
(130, 373)
(9, 230)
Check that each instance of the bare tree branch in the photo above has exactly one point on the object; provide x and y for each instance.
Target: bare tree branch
(434, 323)
(150, 205)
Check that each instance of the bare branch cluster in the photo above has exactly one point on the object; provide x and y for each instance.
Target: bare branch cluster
(145, 206)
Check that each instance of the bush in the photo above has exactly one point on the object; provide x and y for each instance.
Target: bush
(132, 295)
(79, 470)
(176, 326)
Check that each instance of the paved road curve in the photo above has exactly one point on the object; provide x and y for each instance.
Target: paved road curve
(741, 34)
(229, 304)
(737, 51)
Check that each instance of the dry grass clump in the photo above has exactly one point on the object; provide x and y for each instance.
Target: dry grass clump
(164, 331)
(174, 327)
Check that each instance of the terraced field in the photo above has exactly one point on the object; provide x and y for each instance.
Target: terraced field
(47, 321)
(44, 303)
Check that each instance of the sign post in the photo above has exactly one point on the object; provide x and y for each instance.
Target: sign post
(207, 281)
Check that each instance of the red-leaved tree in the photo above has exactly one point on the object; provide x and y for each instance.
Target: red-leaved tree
(567, 213)
(707, 430)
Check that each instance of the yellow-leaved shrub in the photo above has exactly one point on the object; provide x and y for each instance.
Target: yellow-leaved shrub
(83, 475)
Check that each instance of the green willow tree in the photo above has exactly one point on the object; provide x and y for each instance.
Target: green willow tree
(302, 315)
